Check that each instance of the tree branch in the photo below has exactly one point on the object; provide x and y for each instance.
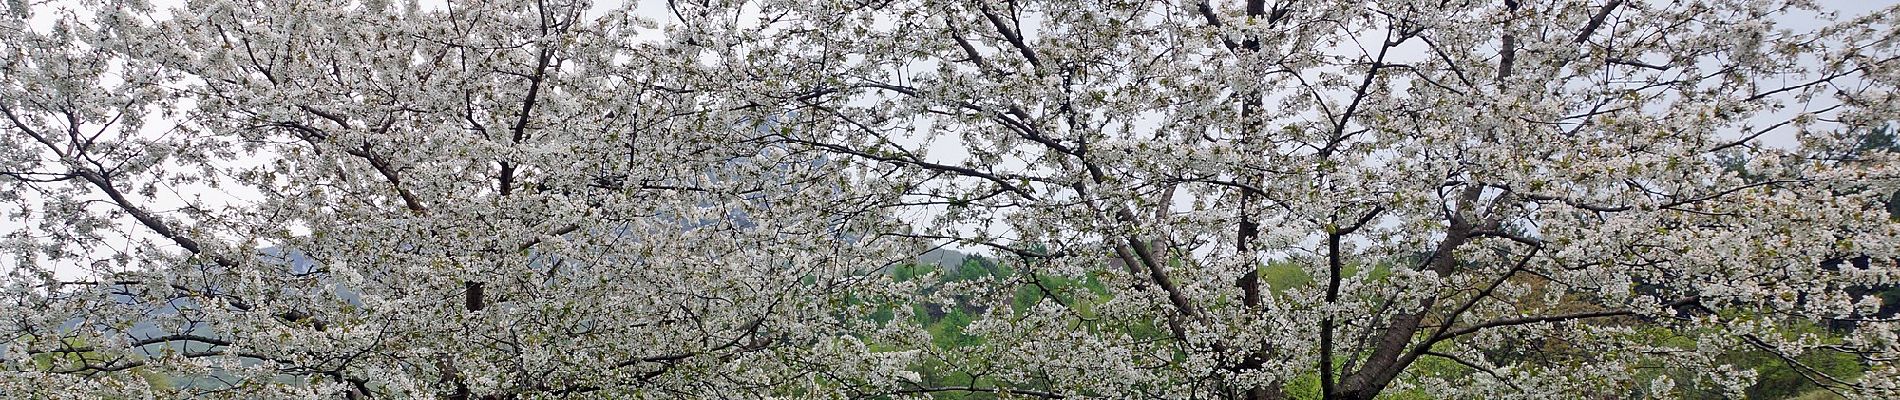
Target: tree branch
(1596, 21)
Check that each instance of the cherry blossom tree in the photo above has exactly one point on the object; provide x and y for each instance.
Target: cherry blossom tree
(1530, 195)
(485, 200)
(1254, 199)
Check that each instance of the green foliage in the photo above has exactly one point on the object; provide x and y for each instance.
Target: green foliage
(1304, 387)
(70, 360)
(977, 268)
(1776, 378)
(1882, 139)
(909, 271)
(946, 332)
(1879, 139)
(1281, 276)
(884, 314)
